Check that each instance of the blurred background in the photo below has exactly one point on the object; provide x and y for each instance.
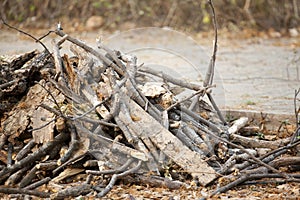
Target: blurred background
(183, 15)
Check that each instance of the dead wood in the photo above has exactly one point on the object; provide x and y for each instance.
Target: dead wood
(38, 184)
(37, 155)
(97, 116)
(169, 144)
(154, 181)
(171, 79)
(25, 150)
(72, 191)
(119, 170)
(236, 182)
(28, 177)
(115, 177)
(285, 161)
(256, 143)
(17, 176)
(24, 191)
(90, 50)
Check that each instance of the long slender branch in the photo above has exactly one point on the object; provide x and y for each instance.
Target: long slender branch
(211, 68)
(210, 71)
(297, 110)
(171, 79)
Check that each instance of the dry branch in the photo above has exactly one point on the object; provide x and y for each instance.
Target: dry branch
(115, 177)
(155, 181)
(24, 191)
(72, 192)
(256, 143)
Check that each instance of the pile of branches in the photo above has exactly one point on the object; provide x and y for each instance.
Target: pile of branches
(80, 122)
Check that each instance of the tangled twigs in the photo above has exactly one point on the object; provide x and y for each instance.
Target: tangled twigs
(262, 172)
(258, 173)
(258, 161)
(37, 155)
(53, 98)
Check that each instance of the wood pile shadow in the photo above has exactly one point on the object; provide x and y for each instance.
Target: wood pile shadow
(75, 124)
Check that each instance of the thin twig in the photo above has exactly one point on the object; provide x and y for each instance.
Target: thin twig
(211, 99)
(187, 98)
(112, 54)
(113, 171)
(295, 135)
(115, 177)
(210, 71)
(170, 79)
(256, 174)
(43, 126)
(297, 110)
(90, 110)
(68, 162)
(42, 37)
